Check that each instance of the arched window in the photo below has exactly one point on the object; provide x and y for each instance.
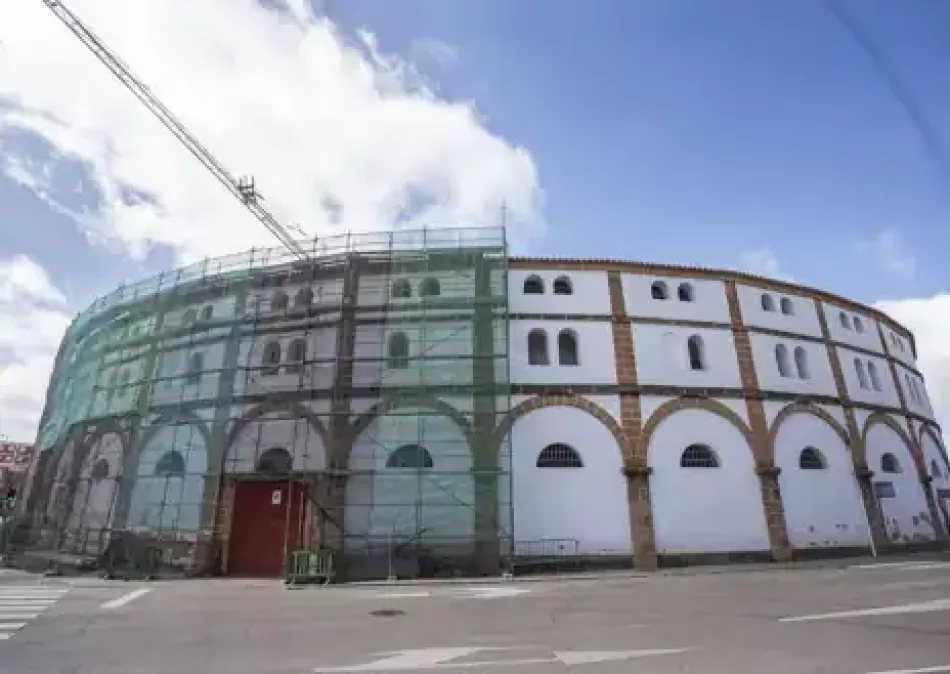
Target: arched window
(533, 285)
(697, 359)
(935, 468)
(768, 304)
(563, 286)
(398, 351)
(685, 292)
(862, 375)
(890, 464)
(429, 287)
(172, 464)
(845, 323)
(559, 455)
(189, 317)
(875, 379)
(659, 291)
(296, 354)
(811, 459)
(401, 289)
(788, 308)
(278, 301)
(270, 359)
(567, 348)
(801, 362)
(196, 364)
(699, 456)
(858, 325)
(410, 456)
(276, 461)
(781, 359)
(303, 299)
(538, 347)
(100, 470)
(207, 313)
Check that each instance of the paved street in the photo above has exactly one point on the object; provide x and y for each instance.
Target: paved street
(885, 618)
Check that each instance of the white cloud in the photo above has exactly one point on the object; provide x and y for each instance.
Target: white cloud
(889, 254)
(763, 262)
(442, 53)
(280, 94)
(929, 320)
(33, 318)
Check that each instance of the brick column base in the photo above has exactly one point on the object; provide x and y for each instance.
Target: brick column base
(939, 529)
(638, 493)
(878, 532)
(774, 512)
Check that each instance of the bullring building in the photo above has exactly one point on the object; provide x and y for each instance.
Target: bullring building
(422, 395)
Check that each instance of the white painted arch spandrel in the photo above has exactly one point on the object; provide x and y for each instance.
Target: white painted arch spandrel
(282, 429)
(587, 505)
(906, 515)
(698, 510)
(823, 508)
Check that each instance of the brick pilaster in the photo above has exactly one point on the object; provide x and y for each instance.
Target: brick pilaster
(762, 449)
(861, 471)
(638, 483)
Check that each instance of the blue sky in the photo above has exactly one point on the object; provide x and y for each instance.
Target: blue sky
(690, 131)
(734, 133)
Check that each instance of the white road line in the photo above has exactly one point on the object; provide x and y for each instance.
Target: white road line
(923, 670)
(18, 616)
(6, 627)
(922, 607)
(126, 598)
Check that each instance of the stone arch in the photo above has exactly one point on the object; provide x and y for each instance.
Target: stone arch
(881, 418)
(180, 417)
(927, 429)
(259, 413)
(568, 400)
(391, 403)
(671, 407)
(805, 408)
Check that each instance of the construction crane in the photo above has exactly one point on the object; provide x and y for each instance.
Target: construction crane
(243, 189)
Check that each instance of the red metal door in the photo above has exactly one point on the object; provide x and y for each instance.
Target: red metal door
(259, 526)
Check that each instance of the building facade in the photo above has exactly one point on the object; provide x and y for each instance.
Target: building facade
(420, 402)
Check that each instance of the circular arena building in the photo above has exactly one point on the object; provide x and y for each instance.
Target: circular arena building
(418, 403)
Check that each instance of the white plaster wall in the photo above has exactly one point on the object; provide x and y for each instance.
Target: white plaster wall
(662, 356)
(176, 504)
(821, 380)
(704, 509)
(272, 430)
(588, 505)
(591, 294)
(93, 506)
(897, 345)
(869, 339)
(595, 349)
(439, 353)
(437, 504)
(935, 461)
(773, 407)
(905, 516)
(919, 404)
(317, 374)
(453, 284)
(823, 508)
(650, 404)
(887, 396)
(709, 302)
(804, 320)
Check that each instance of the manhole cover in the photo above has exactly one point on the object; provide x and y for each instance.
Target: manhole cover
(387, 613)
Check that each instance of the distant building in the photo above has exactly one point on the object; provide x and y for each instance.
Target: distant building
(15, 459)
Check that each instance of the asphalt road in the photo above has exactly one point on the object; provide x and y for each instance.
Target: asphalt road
(730, 623)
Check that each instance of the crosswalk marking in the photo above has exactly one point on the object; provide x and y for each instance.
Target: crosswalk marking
(21, 603)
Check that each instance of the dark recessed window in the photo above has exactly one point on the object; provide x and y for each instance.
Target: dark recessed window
(559, 455)
(698, 456)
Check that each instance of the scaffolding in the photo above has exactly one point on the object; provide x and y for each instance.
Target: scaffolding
(370, 379)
